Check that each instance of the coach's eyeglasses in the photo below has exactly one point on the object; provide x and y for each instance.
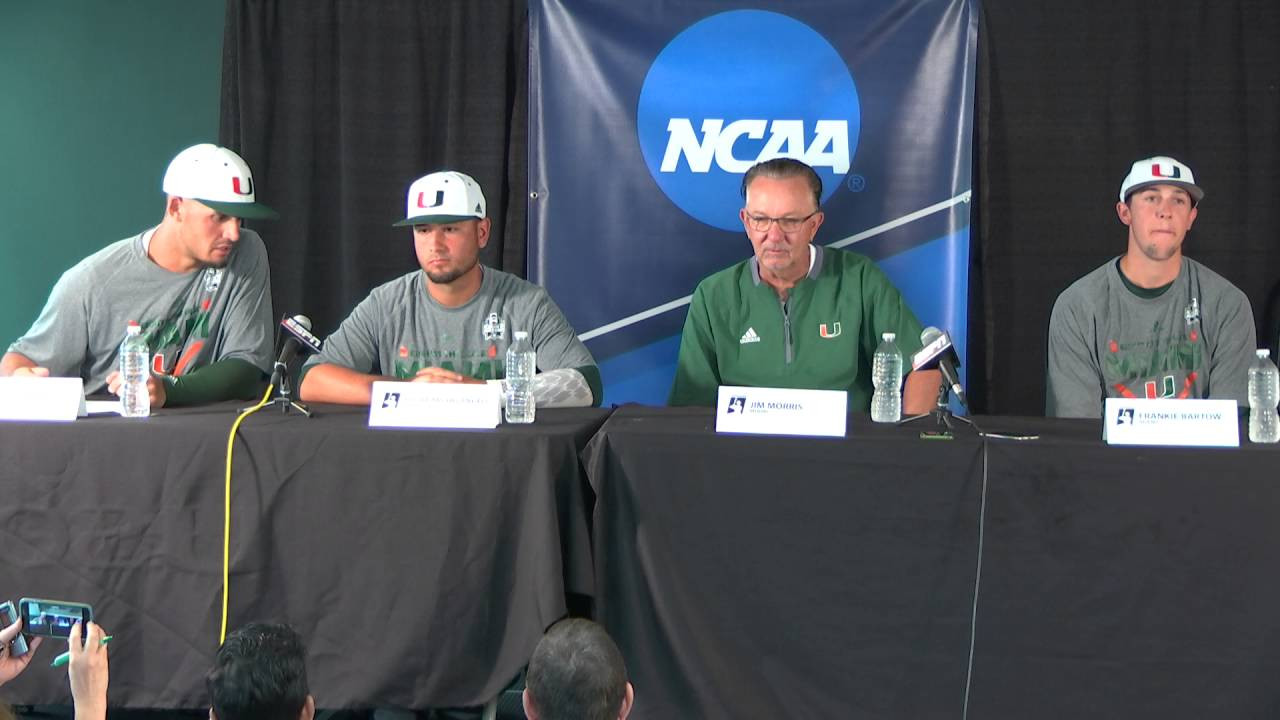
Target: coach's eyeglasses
(761, 223)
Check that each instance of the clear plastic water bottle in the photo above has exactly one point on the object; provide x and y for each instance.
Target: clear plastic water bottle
(135, 368)
(1264, 391)
(522, 363)
(886, 376)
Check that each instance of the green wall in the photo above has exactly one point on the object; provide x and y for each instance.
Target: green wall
(96, 97)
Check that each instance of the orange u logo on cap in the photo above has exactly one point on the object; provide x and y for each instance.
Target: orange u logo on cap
(439, 200)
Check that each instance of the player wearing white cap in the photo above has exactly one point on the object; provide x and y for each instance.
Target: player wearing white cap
(452, 320)
(197, 283)
(1150, 323)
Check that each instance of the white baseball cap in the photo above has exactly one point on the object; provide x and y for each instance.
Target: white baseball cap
(443, 197)
(218, 178)
(1160, 170)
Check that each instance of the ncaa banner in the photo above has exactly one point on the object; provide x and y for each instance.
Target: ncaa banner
(644, 116)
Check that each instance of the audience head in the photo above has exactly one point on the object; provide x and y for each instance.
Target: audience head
(260, 674)
(577, 673)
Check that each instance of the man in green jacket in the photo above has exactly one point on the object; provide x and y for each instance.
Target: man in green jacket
(794, 315)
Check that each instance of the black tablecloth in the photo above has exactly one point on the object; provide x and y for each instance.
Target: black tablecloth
(1129, 582)
(785, 577)
(421, 567)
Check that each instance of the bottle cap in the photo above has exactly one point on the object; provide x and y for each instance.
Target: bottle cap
(522, 334)
(888, 337)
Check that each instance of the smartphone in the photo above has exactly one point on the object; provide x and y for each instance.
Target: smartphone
(8, 616)
(52, 618)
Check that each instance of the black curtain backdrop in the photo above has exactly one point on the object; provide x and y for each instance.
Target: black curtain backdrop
(338, 106)
(1069, 95)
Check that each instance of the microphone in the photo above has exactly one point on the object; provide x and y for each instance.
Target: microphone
(297, 337)
(940, 353)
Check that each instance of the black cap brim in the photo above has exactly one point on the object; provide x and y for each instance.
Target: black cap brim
(244, 211)
(433, 220)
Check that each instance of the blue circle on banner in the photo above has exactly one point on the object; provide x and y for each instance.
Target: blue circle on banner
(740, 87)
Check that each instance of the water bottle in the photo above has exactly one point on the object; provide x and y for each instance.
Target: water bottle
(1264, 391)
(522, 363)
(886, 376)
(135, 364)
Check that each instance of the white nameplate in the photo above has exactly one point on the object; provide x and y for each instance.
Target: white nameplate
(1198, 423)
(59, 399)
(102, 407)
(435, 405)
(781, 411)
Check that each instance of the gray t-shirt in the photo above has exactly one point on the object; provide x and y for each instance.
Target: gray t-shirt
(190, 320)
(1195, 340)
(400, 329)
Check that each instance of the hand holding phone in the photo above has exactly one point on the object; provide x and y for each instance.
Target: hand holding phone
(9, 616)
(12, 662)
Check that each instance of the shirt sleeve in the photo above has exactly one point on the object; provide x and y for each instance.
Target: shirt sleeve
(354, 345)
(1074, 379)
(59, 338)
(554, 340)
(887, 311)
(248, 332)
(223, 380)
(697, 375)
(1232, 349)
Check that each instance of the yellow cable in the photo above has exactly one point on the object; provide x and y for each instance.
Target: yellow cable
(226, 518)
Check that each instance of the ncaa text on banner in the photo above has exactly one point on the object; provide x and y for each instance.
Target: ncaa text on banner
(716, 101)
(830, 145)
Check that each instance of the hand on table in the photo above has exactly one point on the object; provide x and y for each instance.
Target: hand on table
(440, 375)
(155, 388)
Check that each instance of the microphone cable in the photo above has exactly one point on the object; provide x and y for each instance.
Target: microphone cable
(977, 580)
(226, 517)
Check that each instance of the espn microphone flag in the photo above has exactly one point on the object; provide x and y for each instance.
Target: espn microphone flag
(939, 352)
(299, 326)
(297, 336)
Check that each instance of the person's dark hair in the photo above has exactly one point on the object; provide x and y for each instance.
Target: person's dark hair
(577, 673)
(259, 673)
(781, 169)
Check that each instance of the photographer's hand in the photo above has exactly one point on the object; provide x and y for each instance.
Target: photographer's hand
(11, 667)
(87, 672)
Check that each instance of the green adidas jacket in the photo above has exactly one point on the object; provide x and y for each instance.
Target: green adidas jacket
(738, 332)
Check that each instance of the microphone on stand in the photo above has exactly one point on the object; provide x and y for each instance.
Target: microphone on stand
(297, 335)
(939, 352)
(297, 332)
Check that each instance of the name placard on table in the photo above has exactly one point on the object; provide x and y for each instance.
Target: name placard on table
(781, 411)
(1194, 423)
(52, 399)
(435, 405)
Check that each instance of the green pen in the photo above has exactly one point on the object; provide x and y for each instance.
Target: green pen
(65, 657)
